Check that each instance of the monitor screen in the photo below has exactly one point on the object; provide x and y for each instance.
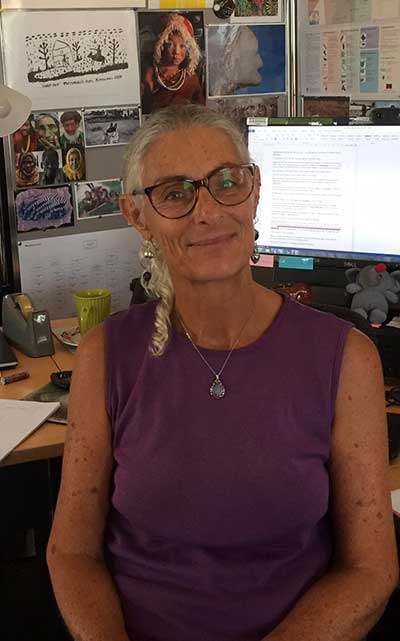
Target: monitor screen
(328, 191)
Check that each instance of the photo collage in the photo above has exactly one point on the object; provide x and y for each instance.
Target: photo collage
(158, 58)
(50, 165)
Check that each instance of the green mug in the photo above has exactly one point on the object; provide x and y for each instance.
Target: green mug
(92, 307)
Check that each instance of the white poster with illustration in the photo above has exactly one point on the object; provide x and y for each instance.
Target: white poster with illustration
(72, 58)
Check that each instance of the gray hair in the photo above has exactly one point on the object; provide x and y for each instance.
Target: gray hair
(171, 118)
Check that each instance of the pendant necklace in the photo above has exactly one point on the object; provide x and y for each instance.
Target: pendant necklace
(217, 389)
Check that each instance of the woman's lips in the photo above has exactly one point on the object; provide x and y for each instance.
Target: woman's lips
(215, 240)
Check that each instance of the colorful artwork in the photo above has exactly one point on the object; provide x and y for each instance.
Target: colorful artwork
(44, 208)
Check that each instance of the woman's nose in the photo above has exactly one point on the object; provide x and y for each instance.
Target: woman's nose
(206, 205)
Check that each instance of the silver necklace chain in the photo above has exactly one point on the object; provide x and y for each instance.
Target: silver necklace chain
(217, 389)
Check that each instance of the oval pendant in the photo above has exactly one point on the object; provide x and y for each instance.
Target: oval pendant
(217, 389)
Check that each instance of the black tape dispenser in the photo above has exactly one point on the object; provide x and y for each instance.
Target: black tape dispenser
(26, 328)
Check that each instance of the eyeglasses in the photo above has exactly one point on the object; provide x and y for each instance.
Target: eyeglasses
(178, 196)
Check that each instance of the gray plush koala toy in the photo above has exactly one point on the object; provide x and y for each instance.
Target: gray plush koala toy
(374, 289)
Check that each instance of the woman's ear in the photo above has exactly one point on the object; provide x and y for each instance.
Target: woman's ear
(133, 214)
(257, 186)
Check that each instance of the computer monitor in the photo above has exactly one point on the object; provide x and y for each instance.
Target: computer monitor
(328, 191)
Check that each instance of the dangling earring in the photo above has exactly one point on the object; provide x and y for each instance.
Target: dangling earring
(148, 254)
(255, 257)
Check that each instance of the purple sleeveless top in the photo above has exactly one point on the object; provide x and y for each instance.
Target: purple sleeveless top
(219, 517)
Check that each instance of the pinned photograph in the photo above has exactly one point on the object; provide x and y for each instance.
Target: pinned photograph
(25, 138)
(238, 109)
(27, 169)
(50, 164)
(257, 11)
(99, 198)
(71, 129)
(47, 127)
(246, 59)
(172, 55)
(111, 126)
(44, 208)
(74, 164)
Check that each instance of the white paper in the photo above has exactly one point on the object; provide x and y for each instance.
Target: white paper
(18, 419)
(179, 4)
(53, 269)
(396, 501)
(72, 58)
(72, 4)
(311, 64)
(389, 72)
(385, 9)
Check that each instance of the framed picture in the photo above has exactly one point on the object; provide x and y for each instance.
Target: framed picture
(44, 208)
(110, 126)
(97, 198)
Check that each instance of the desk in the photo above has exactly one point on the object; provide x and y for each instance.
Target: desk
(48, 441)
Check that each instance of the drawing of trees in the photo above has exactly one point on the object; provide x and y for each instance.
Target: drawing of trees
(76, 48)
(113, 47)
(44, 53)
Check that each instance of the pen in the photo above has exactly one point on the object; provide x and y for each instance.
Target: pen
(14, 377)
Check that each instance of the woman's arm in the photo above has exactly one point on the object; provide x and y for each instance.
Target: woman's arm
(83, 587)
(348, 600)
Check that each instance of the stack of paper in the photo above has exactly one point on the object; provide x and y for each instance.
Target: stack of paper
(18, 419)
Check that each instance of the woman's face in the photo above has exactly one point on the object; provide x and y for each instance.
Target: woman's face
(248, 60)
(25, 129)
(174, 50)
(74, 160)
(28, 164)
(214, 241)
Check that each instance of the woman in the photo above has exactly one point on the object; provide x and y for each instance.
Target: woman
(25, 139)
(225, 465)
(27, 169)
(172, 78)
(74, 168)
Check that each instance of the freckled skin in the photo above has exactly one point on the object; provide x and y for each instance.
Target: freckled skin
(94, 490)
(53, 549)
